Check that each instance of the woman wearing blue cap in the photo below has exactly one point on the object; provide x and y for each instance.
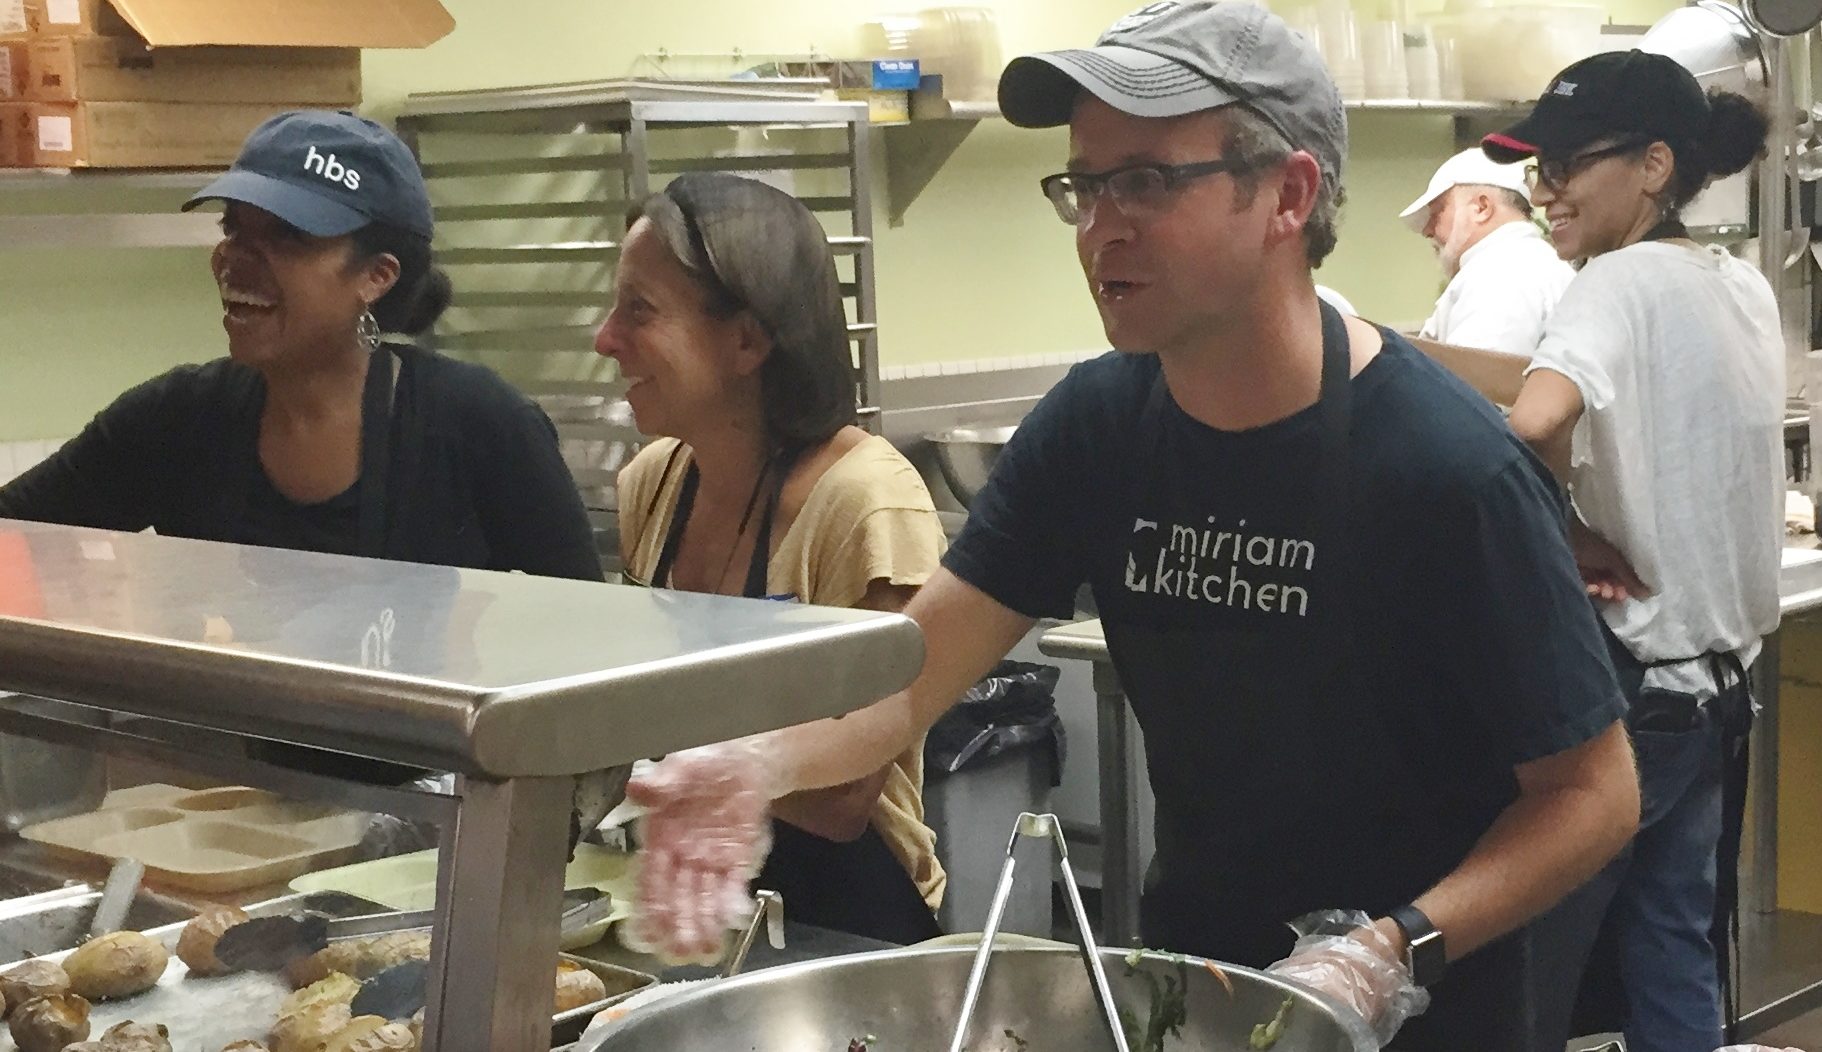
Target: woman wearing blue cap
(318, 431)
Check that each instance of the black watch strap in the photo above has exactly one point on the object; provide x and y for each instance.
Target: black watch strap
(1424, 950)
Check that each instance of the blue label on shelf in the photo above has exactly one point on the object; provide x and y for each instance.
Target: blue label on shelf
(895, 74)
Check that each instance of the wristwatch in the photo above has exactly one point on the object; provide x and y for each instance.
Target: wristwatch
(1424, 952)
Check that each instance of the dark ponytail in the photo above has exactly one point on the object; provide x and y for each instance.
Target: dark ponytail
(423, 291)
(1735, 138)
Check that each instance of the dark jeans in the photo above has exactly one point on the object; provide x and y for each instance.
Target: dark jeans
(1654, 971)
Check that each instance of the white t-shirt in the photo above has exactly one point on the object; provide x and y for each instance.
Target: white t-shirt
(1335, 300)
(1678, 458)
(1503, 292)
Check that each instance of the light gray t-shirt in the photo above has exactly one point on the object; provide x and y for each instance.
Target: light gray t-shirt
(1678, 457)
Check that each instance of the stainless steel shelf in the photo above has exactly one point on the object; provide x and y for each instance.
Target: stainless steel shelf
(110, 178)
(918, 149)
(80, 223)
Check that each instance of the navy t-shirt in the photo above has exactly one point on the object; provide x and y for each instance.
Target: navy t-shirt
(1476, 641)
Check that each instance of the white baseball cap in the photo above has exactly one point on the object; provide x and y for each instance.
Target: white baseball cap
(1468, 168)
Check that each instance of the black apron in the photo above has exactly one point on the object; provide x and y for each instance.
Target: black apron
(1278, 792)
(859, 886)
(377, 395)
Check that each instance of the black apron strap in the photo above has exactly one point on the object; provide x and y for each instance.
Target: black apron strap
(1732, 708)
(376, 449)
(680, 517)
(759, 564)
(777, 466)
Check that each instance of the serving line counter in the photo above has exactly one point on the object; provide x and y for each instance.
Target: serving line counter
(1119, 758)
(518, 685)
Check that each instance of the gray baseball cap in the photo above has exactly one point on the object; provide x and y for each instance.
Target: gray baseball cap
(1172, 58)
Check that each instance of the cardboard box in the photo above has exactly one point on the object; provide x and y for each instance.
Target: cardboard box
(14, 120)
(140, 134)
(14, 70)
(122, 69)
(72, 18)
(275, 23)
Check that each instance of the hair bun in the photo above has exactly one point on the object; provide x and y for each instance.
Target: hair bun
(1735, 136)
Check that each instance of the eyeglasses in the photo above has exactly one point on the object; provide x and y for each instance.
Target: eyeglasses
(1554, 174)
(1136, 189)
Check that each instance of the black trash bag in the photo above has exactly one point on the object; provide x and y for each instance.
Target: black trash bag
(1014, 707)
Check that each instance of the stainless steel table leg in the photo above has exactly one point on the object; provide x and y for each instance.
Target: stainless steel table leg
(499, 897)
(1118, 753)
(1765, 779)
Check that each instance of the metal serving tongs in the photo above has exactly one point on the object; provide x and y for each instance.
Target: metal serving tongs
(768, 915)
(1039, 826)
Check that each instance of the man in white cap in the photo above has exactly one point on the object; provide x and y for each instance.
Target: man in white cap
(1504, 276)
(1337, 588)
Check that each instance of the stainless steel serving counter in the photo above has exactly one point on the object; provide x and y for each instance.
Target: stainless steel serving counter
(515, 683)
(1800, 589)
(494, 674)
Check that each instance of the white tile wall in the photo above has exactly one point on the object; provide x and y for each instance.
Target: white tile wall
(17, 457)
(982, 365)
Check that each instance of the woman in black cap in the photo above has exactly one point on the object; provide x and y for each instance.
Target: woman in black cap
(1657, 397)
(321, 431)
(728, 323)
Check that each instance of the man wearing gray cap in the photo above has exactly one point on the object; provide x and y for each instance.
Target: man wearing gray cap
(1336, 588)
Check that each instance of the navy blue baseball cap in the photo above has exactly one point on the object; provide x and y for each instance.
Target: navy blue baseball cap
(327, 174)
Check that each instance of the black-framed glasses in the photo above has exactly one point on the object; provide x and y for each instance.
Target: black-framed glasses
(1135, 189)
(1554, 173)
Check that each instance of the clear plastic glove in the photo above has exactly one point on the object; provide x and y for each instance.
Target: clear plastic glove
(1341, 954)
(704, 837)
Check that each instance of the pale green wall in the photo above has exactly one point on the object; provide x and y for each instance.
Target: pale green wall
(980, 269)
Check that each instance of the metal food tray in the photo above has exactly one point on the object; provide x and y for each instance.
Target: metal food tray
(210, 1012)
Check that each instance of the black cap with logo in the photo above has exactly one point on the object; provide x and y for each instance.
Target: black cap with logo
(327, 174)
(1616, 93)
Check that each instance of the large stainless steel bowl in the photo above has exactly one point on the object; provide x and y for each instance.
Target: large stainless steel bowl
(966, 456)
(908, 1000)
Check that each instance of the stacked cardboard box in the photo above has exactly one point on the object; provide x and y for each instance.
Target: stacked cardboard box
(180, 83)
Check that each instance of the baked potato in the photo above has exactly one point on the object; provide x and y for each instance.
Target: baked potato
(136, 1037)
(49, 1024)
(32, 980)
(335, 989)
(309, 1029)
(118, 965)
(196, 944)
(577, 986)
(394, 949)
(370, 1033)
(344, 957)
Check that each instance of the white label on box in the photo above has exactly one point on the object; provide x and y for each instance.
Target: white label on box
(12, 16)
(56, 134)
(6, 74)
(63, 12)
(98, 551)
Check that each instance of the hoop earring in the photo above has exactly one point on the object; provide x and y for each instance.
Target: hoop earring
(368, 329)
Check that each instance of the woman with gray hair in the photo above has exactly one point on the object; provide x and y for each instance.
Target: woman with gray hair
(728, 326)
